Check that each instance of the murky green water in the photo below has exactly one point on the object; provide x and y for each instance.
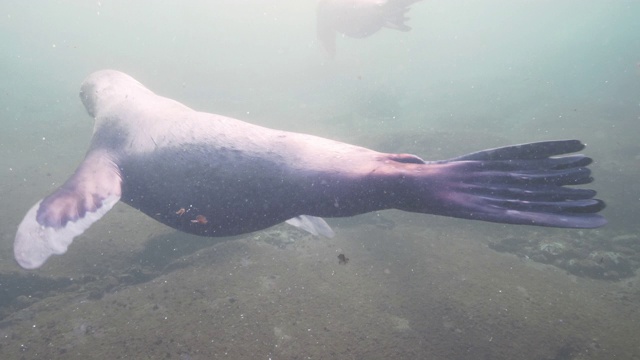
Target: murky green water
(470, 75)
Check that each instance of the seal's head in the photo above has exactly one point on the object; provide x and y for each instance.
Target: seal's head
(107, 87)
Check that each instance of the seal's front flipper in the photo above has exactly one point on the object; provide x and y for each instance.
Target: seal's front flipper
(521, 184)
(311, 224)
(51, 224)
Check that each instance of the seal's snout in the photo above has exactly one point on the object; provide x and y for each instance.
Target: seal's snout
(106, 87)
(88, 101)
(94, 87)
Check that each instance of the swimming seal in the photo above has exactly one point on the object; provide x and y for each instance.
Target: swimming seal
(211, 175)
(358, 19)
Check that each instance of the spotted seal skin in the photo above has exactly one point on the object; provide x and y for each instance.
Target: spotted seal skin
(211, 175)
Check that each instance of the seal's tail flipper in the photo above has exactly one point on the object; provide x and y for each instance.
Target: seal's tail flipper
(520, 184)
(51, 224)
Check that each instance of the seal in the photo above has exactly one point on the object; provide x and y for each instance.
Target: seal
(211, 175)
(358, 19)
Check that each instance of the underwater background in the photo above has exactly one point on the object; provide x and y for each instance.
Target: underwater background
(470, 75)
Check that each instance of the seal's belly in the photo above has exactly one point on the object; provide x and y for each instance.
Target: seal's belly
(220, 192)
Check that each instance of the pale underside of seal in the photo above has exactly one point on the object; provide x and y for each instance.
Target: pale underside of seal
(212, 175)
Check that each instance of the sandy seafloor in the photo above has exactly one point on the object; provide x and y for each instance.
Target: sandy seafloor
(470, 75)
(420, 290)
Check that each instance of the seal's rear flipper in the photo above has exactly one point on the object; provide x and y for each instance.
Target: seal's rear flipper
(396, 14)
(521, 184)
(312, 224)
(51, 224)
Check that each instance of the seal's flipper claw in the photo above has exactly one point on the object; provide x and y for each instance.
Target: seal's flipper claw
(312, 224)
(51, 224)
(520, 184)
